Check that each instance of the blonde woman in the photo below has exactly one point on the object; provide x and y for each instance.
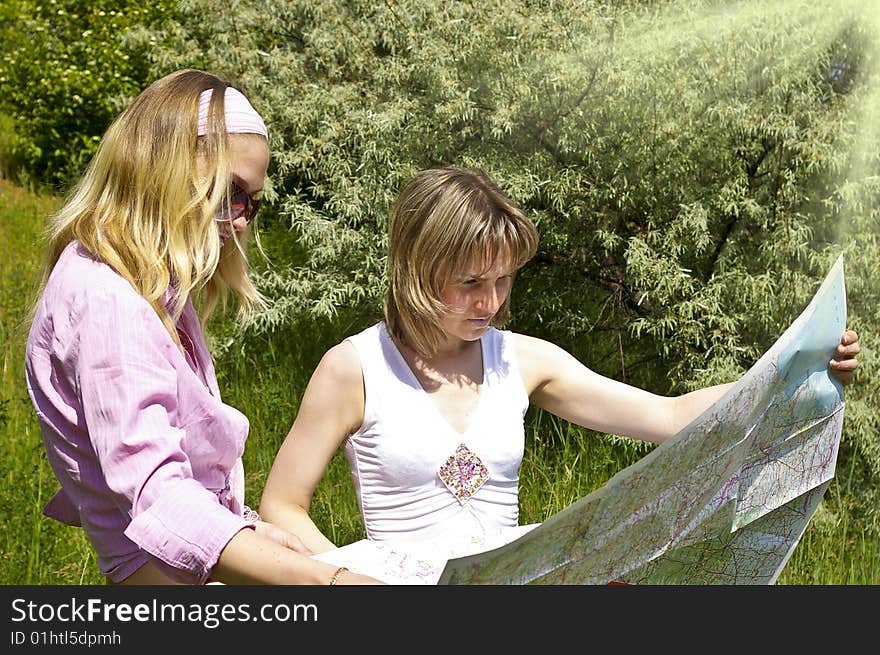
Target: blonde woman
(147, 454)
(429, 403)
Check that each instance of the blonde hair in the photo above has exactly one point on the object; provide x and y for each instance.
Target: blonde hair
(142, 207)
(444, 219)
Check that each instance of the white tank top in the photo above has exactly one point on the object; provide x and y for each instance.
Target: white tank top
(416, 477)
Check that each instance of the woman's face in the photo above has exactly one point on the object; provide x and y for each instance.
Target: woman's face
(473, 297)
(249, 161)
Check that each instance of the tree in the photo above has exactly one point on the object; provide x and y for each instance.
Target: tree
(65, 73)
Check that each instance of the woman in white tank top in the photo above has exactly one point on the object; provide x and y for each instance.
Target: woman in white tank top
(429, 403)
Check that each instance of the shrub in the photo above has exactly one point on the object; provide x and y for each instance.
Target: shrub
(693, 168)
(65, 73)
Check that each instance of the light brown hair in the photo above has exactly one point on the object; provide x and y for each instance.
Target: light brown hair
(445, 219)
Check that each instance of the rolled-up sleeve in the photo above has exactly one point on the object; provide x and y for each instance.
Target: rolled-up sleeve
(186, 528)
(129, 392)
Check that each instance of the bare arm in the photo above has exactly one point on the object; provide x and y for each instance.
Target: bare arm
(332, 408)
(251, 558)
(559, 383)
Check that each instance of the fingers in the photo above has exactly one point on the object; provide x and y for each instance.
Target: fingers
(844, 369)
(844, 363)
(848, 349)
(283, 537)
(289, 540)
(295, 543)
(849, 336)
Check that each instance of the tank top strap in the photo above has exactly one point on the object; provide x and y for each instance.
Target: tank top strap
(387, 375)
(367, 345)
(500, 365)
(382, 366)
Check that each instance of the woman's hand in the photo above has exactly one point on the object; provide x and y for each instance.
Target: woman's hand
(844, 363)
(283, 537)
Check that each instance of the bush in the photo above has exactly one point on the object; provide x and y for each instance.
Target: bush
(10, 165)
(65, 74)
(693, 169)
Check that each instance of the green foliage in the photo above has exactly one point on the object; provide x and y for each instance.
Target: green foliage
(265, 377)
(10, 164)
(65, 74)
(694, 168)
(33, 550)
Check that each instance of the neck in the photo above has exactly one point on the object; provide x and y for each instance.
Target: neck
(452, 355)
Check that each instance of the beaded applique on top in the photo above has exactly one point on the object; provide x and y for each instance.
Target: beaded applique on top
(463, 473)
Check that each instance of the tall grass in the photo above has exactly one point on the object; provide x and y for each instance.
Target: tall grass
(33, 549)
(265, 379)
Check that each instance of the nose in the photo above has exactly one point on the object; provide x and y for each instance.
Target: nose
(489, 300)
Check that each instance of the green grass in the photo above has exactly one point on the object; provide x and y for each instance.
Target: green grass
(264, 378)
(33, 549)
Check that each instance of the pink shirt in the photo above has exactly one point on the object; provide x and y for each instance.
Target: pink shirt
(148, 456)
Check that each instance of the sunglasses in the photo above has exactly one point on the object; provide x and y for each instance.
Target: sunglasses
(240, 203)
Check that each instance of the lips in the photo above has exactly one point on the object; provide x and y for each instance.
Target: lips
(480, 322)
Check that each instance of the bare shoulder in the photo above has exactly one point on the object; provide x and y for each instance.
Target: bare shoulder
(537, 359)
(528, 347)
(340, 365)
(334, 396)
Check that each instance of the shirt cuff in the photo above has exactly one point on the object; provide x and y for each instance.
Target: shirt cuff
(186, 528)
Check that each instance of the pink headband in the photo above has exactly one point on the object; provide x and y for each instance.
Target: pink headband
(241, 117)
